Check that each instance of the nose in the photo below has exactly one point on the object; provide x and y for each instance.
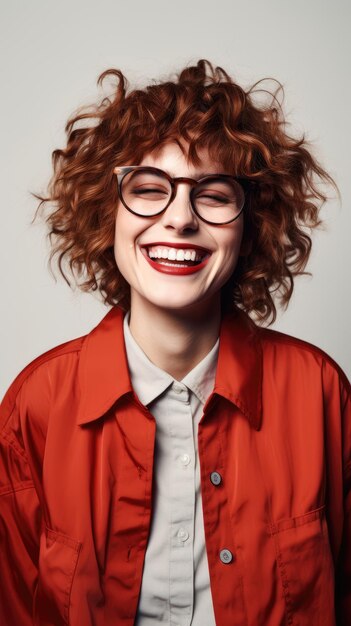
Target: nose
(179, 215)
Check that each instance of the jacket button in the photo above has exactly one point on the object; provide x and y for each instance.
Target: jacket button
(216, 478)
(225, 556)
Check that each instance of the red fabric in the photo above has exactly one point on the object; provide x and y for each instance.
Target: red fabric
(76, 483)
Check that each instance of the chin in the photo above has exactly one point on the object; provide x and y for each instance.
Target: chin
(175, 302)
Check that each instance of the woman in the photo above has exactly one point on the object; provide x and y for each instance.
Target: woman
(182, 463)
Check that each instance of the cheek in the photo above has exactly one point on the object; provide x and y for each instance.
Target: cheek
(229, 263)
(121, 241)
(116, 241)
(230, 246)
(128, 230)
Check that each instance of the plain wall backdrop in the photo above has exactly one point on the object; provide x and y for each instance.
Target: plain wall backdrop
(51, 56)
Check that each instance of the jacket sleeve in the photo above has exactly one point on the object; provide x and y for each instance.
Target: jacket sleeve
(343, 565)
(20, 517)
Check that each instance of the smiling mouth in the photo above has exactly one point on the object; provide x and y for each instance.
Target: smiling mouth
(187, 262)
(176, 263)
(175, 257)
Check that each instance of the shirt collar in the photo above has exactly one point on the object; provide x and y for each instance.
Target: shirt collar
(148, 380)
(200, 380)
(104, 376)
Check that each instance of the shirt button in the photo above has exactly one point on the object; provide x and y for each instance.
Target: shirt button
(177, 388)
(216, 478)
(225, 556)
(185, 459)
(182, 534)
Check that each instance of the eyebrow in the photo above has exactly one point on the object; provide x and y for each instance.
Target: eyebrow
(198, 175)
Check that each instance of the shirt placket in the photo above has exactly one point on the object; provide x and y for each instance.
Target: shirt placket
(182, 507)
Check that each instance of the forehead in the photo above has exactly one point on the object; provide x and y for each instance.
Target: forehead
(175, 161)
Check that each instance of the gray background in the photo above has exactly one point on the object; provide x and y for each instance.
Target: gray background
(51, 56)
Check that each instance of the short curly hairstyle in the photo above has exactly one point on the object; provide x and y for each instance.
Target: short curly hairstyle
(205, 108)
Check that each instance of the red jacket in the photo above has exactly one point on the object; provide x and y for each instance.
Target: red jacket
(76, 483)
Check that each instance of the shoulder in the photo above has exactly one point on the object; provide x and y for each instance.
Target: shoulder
(300, 354)
(36, 380)
(55, 376)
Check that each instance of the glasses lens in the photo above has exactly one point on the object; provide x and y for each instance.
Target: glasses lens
(218, 200)
(145, 192)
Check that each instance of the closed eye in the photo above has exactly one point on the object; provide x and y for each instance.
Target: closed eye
(220, 199)
(141, 192)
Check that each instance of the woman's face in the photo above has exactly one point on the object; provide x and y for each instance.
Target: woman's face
(177, 225)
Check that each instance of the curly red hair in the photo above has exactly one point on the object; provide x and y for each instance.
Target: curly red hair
(205, 108)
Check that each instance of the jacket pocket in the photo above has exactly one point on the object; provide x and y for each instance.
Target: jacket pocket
(58, 558)
(306, 568)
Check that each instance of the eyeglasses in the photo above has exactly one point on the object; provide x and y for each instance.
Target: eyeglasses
(147, 191)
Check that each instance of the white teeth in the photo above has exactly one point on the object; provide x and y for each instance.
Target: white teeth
(173, 254)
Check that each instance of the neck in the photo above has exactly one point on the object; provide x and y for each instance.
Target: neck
(175, 340)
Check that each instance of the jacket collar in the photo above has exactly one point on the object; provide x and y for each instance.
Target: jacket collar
(104, 375)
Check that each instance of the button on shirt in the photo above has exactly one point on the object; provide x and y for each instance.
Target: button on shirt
(175, 587)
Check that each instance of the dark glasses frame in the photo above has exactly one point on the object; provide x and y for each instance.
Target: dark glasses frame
(122, 170)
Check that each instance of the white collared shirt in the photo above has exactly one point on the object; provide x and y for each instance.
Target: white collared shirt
(175, 586)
